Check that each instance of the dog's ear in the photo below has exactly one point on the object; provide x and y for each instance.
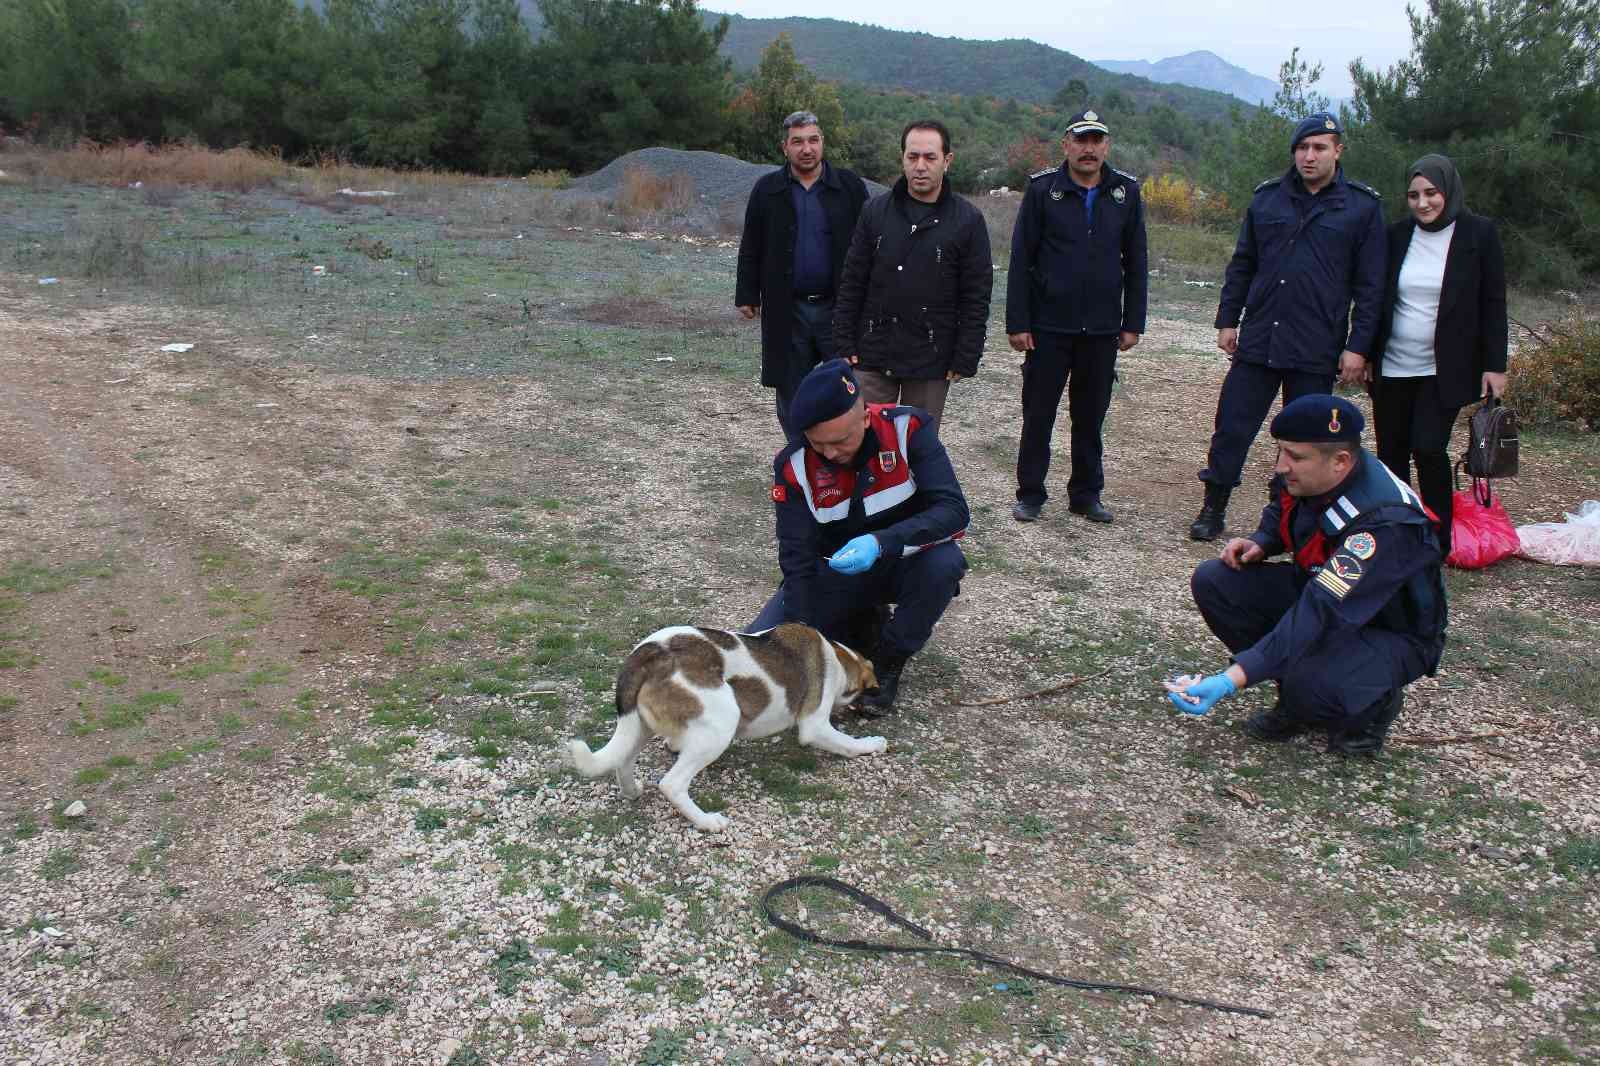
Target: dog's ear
(857, 667)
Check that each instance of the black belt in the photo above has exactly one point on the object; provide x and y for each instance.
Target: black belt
(814, 297)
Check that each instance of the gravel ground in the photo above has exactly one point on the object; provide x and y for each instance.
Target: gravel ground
(381, 894)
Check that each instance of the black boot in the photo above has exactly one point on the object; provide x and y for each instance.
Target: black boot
(1208, 523)
(1368, 737)
(879, 702)
(1275, 725)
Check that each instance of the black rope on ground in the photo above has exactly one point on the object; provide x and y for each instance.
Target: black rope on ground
(878, 907)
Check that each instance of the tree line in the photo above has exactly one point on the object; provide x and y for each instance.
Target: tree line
(1508, 88)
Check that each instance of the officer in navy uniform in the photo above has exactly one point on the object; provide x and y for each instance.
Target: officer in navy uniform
(869, 512)
(1075, 297)
(1356, 614)
(1312, 241)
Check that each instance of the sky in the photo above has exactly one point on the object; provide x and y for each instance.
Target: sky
(1254, 34)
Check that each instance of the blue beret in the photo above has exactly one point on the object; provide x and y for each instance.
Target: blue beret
(827, 392)
(1311, 125)
(1319, 419)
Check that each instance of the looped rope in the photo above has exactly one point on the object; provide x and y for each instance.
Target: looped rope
(882, 909)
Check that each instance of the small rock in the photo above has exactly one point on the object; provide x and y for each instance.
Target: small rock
(448, 1047)
(75, 809)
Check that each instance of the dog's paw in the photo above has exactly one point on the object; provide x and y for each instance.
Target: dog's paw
(629, 788)
(875, 745)
(712, 823)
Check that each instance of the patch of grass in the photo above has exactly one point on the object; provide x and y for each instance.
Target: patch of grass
(1553, 1048)
(127, 714)
(27, 827)
(511, 966)
(92, 775)
(427, 819)
(60, 863)
(337, 886)
(663, 1048)
(256, 754)
(101, 676)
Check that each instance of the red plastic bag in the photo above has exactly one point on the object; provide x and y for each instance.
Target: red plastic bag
(1481, 533)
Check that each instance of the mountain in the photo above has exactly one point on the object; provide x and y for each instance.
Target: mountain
(922, 63)
(1203, 70)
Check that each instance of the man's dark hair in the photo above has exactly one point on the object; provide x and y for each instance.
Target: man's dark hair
(927, 124)
(799, 118)
(1329, 448)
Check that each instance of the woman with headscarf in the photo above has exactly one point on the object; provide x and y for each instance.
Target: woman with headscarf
(1442, 332)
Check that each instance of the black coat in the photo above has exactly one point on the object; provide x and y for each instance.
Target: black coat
(1071, 275)
(1470, 337)
(766, 259)
(914, 300)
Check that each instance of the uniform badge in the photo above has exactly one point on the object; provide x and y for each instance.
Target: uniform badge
(779, 495)
(1362, 546)
(849, 386)
(1333, 420)
(1119, 194)
(1328, 123)
(1091, 116)
(1055, 194)
(887, 461)
(1346, 567)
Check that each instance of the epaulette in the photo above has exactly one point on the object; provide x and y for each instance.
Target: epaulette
(1369, 190)
(1043, 173)
(1263, 185)
(1125, 174)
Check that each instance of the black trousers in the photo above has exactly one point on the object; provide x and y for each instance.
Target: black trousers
(810, 343)
(1246, 397)
(1086, 368)
(1412, 424)
(920, 586)
(1339, 683)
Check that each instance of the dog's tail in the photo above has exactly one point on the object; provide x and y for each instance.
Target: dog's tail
(623, 743)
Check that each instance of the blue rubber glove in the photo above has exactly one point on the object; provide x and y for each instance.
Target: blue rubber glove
(1209, 689)
(856, 556)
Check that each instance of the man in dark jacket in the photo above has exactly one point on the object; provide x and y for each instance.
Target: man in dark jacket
(1075, 297)
(797, 228)
(1312, 242)
(914, 296)
(869, 512)
(1356, 614)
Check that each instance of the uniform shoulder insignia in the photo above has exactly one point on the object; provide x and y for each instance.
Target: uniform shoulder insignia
(1043, 173)
(1125, 175)
(1369, 190)
(1263, 185)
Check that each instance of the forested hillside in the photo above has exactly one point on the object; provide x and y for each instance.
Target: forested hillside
(1025, 71)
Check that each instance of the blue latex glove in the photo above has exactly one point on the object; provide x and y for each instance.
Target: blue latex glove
(1209, 689)
(856, 556)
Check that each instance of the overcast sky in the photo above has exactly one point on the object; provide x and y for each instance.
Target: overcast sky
(1254, 34)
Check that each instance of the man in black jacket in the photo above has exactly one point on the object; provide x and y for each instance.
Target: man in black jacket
(797, 227)
(914, 295)
(1075, 297)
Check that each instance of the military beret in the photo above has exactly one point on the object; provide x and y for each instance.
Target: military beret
(1319, 419)
(827, 392)
(1313, 124)
(1086, 122)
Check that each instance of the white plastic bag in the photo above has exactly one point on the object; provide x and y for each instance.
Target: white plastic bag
(1575, 542)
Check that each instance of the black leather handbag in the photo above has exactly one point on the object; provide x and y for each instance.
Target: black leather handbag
(1492, 449)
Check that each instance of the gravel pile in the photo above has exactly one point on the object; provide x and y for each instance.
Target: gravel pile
(721, 182)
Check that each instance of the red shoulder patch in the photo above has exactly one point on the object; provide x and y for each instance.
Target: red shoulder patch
(779, 495)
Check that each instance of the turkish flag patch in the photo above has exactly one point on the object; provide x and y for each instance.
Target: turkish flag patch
(779, 494)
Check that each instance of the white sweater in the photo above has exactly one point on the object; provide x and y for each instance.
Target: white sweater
(1409, 353)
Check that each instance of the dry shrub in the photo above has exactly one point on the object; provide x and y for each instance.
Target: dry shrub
(237, 169)
(644, 192)
(1555, 378)
(328, 173)
(1172, 198)
(549, 179)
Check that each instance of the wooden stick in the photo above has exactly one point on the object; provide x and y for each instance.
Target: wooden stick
(1464, 738)
(1051, 691)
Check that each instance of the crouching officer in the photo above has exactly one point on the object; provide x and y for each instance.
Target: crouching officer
(1355, 617)
(868, 512)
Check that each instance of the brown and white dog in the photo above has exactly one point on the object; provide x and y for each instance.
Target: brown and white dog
(699, 688)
